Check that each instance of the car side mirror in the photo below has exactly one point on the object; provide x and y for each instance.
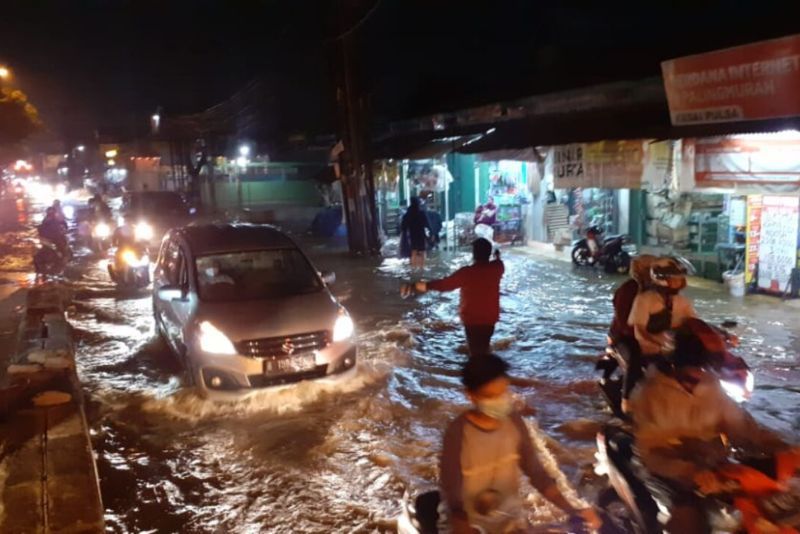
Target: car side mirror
(329, 277)
(170, 293)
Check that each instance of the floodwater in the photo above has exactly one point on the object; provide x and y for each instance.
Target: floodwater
(321, 459)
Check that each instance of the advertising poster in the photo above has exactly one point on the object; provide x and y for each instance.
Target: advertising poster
(753, 237)
(777, 253)
(732, 162)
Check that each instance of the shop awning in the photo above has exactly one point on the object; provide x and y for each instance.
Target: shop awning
(649, 121)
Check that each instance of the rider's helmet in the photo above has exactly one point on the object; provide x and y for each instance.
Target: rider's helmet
(669, 273)
(640, 269)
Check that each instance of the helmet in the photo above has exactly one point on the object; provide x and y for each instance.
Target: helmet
(640, 268)
(669, 272)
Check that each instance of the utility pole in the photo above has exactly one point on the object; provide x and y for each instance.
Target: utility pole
(358, 185)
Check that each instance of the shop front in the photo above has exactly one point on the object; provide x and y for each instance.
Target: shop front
(732, 209)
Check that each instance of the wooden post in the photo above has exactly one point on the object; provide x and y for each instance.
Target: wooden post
(358, 186)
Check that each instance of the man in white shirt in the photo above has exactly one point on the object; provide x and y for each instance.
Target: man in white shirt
(654, 316)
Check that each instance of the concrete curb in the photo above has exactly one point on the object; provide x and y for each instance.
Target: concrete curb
(51, 482)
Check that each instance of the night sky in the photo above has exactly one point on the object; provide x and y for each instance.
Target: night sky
(107, 65)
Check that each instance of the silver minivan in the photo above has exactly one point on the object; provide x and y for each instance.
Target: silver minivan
(243, 308)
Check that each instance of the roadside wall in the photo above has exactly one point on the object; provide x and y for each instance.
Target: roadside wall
(48, 477)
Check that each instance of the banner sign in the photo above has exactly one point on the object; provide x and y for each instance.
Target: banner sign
(606, 164)
(777, 253)
(751, 160)
(749, 82)
(753, 237)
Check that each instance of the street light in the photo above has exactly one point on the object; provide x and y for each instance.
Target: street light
(4, 72)
(244, 151)
(81, 148)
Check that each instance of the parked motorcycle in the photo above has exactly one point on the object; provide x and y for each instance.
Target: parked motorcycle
(131, 266)
(632, 502)
(613, 253)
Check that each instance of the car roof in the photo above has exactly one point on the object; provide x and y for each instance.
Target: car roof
(233, 237)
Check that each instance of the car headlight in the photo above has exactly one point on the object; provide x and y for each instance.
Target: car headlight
(214, 341)
(102, 230)
(343, 328)
(143, 232)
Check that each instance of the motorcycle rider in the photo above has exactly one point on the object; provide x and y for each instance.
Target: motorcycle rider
(101, 209)
(683, 425)
(54, 230)
(485, 452)
(620, 331)
(654, 314)
(59, 212)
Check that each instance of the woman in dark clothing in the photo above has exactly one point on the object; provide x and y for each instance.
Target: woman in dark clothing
(412, 229)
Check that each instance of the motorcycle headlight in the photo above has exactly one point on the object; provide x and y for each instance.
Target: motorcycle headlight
(69, 212)
(130, 257)
(143, 232)
(343, 328)
(214, 341)
(102, 230)
(737, 391)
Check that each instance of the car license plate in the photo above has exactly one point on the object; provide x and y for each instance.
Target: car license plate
(293, 364)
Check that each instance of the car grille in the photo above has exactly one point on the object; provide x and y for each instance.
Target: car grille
(272, 347)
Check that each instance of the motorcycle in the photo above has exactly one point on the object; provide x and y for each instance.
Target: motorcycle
(613, 253)
(760, 495)
(101, 235)
(50, 259)
(734, 375)
(428, 515)
(131, 266)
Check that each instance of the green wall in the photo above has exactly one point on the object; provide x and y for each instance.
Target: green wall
(298, 193)
(462, 190)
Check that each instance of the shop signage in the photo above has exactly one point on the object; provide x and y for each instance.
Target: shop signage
(755, 81)
(777, 254)
(753, 237)
(748, 160)
(568, 163)
(606, 164)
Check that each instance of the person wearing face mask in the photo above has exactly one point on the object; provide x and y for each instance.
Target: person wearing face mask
(486, 450)
(654, 315)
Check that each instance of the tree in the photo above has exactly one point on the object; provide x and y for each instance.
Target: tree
(18, 117)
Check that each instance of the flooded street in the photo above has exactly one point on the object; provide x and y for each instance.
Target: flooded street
(325, 458)
(316, 458)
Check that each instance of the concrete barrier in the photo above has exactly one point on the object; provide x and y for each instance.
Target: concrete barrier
(48, 476)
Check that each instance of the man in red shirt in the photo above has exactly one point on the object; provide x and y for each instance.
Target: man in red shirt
(480, 295)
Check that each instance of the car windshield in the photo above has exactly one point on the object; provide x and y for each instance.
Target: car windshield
(157, 202)
(255, 275)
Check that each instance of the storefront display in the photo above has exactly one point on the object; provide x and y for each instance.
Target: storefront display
(777, 255)
(508, 189)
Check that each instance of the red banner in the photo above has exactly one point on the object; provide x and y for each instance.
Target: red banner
(754, 81)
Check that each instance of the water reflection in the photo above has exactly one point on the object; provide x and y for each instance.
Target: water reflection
(321, 459)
